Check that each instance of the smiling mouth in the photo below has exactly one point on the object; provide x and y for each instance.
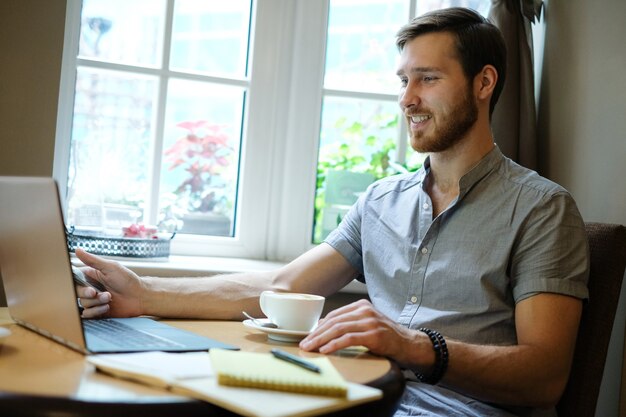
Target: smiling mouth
(419, 118)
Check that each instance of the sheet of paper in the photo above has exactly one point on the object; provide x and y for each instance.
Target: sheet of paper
(173, 365)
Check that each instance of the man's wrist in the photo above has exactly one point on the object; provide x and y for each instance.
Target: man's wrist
(440, 366)
(148, 298)
(420, 354)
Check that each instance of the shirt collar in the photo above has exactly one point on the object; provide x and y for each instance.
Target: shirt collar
(480, 170)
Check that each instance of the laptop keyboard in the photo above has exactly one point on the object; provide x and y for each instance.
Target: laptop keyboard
(122, 335)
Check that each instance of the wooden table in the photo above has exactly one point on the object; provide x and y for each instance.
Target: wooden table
(39, 377)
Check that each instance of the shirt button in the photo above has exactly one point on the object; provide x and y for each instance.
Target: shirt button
(414, 299)
(425, 206)
(424, 251)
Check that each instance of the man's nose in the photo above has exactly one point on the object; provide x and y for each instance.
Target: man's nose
(408, 97)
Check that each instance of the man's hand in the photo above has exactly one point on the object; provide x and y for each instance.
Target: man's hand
(122, 297)
(359, 324)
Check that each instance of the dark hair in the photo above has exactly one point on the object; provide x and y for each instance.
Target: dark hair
(478, 41)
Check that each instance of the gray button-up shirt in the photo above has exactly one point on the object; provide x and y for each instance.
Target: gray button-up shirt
(508, 235)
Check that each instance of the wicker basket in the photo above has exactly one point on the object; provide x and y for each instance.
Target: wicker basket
(118, 246)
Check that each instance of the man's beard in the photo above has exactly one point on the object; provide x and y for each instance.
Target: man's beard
(453, 128)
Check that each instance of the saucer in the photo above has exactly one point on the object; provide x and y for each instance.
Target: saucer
(280, 335)
(4, 332)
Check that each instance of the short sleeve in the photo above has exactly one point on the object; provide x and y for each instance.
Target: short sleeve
(551, 253)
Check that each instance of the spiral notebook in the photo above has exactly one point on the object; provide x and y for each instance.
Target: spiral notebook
(262, 370)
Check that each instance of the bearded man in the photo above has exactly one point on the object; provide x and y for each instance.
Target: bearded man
(476, 267)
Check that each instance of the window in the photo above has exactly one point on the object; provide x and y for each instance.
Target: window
(157, 124)
(249, 127)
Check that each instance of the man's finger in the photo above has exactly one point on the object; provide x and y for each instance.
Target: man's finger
(90, 313)
(85, 292)
(347, 308)
(102, 298)
(91, 260)
(332, 330)
(345, 341)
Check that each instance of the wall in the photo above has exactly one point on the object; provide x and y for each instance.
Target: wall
(582, 128)
(31, 41)
(583, 104)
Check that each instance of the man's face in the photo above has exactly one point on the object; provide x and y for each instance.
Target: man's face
(436, 98)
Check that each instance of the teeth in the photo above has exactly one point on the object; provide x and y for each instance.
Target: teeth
(419, 119)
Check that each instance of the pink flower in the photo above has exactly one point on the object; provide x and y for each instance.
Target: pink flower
(140, 231)
(192, 126)
(204, 153)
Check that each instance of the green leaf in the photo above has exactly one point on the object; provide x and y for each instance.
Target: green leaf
(339, 123)
(393, 122)
(356, 128)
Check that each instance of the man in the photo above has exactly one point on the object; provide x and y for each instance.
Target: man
(475, 266)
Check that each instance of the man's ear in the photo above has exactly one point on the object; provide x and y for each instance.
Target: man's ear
(485, 82)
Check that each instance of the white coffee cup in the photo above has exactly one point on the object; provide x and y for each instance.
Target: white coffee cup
(292, 311)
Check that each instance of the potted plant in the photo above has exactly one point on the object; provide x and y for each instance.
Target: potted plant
(205, 153)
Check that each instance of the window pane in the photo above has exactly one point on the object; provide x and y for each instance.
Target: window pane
(357, 146)
(481, 6)
(211, 37)
(201, 156)
(111, 136)
(122, 31)
(361, 52)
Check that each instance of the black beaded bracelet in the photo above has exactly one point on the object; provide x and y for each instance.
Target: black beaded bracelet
(441, 357)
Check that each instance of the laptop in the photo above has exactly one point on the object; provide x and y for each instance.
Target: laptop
(37, 275)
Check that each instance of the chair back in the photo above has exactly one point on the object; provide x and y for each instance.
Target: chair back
(3, 298)
(607, 244)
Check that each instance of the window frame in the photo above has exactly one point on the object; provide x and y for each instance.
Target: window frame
(260, 223)
(282, 119)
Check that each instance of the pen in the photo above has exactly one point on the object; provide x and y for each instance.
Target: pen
(295, 360)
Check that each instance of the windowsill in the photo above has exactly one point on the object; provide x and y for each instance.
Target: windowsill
(196, 266)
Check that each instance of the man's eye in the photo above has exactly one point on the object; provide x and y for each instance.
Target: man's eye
(403, 82)
(429, 78)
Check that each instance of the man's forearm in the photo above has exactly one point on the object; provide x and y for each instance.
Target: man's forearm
(216, 297)
(322, 270)
(520, 375)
